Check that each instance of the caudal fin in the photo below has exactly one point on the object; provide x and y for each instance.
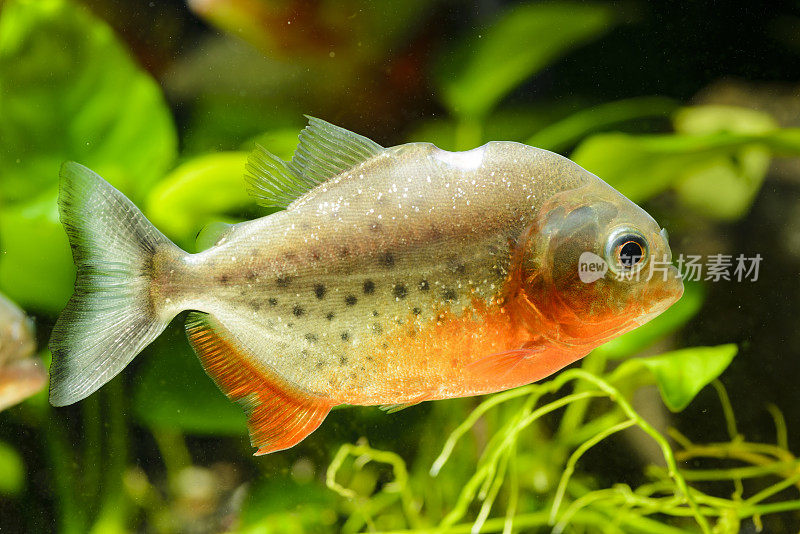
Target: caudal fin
(111, 316)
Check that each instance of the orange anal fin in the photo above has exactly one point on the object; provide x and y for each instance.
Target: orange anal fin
(278, 415)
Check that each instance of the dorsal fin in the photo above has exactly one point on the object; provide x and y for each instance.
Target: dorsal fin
(324, 151)
(270, 180)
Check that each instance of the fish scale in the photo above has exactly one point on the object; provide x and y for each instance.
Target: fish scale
(392, 276)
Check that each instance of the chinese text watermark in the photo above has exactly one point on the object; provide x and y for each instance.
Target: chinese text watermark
(691, 267)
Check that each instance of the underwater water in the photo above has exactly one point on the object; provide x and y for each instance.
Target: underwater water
(688, 424)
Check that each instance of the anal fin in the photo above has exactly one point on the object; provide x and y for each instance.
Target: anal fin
(278, 415)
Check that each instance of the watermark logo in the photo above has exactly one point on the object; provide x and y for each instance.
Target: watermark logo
(591, 267)
(693, 268)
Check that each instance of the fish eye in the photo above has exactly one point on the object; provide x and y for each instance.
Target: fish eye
(626, 249)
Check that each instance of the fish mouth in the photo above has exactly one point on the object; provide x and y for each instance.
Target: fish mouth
(665, 296)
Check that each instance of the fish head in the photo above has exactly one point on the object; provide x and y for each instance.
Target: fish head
(593, 266)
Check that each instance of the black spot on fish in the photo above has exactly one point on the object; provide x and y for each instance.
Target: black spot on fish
(344, 252)
(350, 300)
(283, 280)
(319, 291)
(385, 345)
(272, 301)
(456, 266)
(342, 360)
(251, 275)
(224, 279)
(329, 316)
(311, 338)
(399, 291)
(424, 286)
(369, 358)
(449, 294)
(320, 364)
(375, 313)
(315, 255)
(298, 311)
(369, 287)
(387, 260)
(289, 325)
(345, 336)
(416, 311)
(377, 328)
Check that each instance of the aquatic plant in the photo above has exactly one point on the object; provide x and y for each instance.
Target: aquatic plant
(669, 501)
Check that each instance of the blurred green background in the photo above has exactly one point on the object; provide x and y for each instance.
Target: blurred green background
(691, 110)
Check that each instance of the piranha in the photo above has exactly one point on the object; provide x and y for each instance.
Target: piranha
(20, 375)
(393, 276)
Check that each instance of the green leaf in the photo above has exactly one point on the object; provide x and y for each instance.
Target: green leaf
(692, 162)
(524, 40)
(172, 391)
(680, 374)
(566, 132)
(70, 91)
(666, 323)
(36, 267)
(727, 185)
(12, 468)
(206, 188)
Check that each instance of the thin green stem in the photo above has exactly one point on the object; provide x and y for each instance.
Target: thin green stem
(573, 460)
(772, 490)
(70, 513)
(115, 508)
(93, 450)
(471, 488)
(727, 409)
(470, 421)
(575, 413)
(513, 495)
(780, 426)
(666, 450)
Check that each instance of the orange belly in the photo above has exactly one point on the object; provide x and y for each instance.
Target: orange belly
(483, 350)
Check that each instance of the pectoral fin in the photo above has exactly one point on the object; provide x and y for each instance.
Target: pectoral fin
(394, 408)
(278, 415)
(502, 363)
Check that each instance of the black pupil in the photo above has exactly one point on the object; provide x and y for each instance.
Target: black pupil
(630, 254)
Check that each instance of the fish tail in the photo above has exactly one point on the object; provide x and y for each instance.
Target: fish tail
(112, 315)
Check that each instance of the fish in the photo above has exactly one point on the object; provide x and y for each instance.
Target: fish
(391, 276)
(21, 375)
